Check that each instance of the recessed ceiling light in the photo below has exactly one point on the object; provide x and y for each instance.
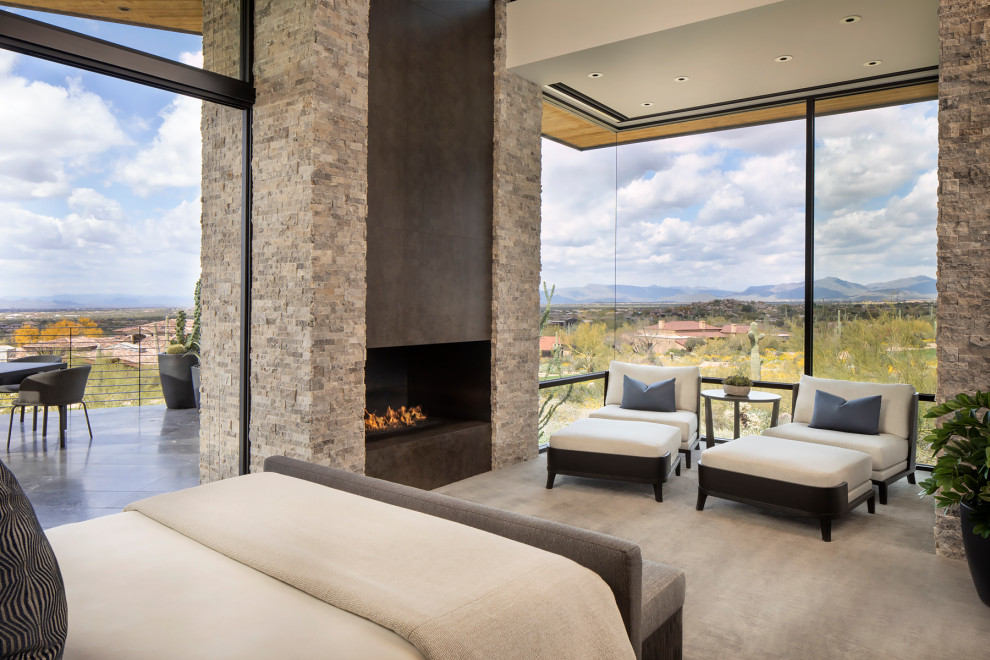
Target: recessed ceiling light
(850, 19)
(647, 104)
(596, 74)
(873, 63)
(681, 79)
(783, 58)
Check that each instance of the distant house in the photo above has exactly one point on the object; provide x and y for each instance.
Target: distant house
(735, 329)
(548, 345)
(673, 335)
(6, 352)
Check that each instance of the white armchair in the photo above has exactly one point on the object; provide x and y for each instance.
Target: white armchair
(892, 450)
(687, 394)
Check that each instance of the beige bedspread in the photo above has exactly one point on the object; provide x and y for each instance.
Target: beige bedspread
(452, 591)
(138, 590)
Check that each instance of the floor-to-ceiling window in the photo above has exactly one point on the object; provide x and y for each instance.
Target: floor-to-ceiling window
(710, 237)
(874, 245)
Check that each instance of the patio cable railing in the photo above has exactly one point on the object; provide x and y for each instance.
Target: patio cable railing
(124, 361)
(570, 381)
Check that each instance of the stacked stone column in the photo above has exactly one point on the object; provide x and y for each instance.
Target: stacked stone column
(516, 261)
(308, 292)
(964, 215)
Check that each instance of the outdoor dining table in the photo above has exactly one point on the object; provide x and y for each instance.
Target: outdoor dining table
(12, 373)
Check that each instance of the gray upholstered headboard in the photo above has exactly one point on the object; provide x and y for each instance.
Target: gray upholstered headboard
(617, 561)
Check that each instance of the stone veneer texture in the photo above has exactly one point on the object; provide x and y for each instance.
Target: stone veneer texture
(516, 260)
(964, 214)
(221, 252)
(310, 210)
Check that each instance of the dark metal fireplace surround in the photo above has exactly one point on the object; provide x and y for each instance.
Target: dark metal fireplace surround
(429, 235)
(451, 383)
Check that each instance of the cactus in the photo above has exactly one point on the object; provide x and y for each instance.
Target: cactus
(180, 330)
(192, 345)
(175, 349)
(755, 361)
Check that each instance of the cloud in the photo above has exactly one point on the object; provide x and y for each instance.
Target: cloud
(49, 133)
(192, 59)
(727, 209)
(96, 247)
(174, 157)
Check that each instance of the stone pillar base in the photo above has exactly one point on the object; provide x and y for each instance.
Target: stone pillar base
(948, 534)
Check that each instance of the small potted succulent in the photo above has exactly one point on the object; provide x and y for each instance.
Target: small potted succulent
(961, 476)
(737, 385)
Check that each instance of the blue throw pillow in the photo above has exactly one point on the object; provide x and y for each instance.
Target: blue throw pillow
(854, 416)
(657, 397)
(33, 619)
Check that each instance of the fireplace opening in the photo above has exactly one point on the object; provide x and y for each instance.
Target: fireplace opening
(428, 413)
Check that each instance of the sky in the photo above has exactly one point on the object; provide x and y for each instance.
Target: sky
(99, 178)
(726, 209)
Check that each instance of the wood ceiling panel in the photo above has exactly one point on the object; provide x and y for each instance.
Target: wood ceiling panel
(175, 15)
(572, 130)
(575, 131)
(878, 99)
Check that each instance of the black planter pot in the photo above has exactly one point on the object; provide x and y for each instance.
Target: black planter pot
(977, 554)
(195, 383)
(175, 372)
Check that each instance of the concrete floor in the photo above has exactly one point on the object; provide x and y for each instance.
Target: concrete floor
(135, 452)
(763, 585)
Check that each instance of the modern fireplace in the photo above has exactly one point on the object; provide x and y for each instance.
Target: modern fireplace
(428, 413)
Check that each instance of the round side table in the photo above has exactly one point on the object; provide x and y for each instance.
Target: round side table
(752, 397)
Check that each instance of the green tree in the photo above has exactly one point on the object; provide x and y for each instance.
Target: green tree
(552, 368)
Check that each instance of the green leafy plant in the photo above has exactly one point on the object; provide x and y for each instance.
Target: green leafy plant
(738, 380)
(962, 448)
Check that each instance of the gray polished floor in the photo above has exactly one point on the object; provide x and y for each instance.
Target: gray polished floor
(135, 452)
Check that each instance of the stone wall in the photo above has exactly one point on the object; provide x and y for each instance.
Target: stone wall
(308, 319)
(310, 208)
(964, 214)
(516, 261)
(220, 252)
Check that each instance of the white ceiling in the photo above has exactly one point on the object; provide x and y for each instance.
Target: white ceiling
(726, 47)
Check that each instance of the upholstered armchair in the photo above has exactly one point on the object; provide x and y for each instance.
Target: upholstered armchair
(687, 394)
(892, 449)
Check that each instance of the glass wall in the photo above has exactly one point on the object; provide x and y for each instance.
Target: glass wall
(709, 237)
(578, 278)
(876, 186)
(100, 202)
(705, 248)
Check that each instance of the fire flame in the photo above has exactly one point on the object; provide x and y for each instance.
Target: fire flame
(393, 419)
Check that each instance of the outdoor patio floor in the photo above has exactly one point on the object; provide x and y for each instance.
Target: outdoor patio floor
(136, 452)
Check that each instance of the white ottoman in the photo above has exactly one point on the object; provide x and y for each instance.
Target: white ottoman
(642, 452)
(814, 480)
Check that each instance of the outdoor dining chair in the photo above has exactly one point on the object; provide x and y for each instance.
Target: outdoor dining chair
(60, 388)
(14, 388)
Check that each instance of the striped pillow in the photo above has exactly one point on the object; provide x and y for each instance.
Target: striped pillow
(33, 610)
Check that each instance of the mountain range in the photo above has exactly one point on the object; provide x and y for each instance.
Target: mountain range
(92, 301)
(828, 289)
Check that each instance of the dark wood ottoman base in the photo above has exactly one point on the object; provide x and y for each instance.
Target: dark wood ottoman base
(597, 465)
(812, 501)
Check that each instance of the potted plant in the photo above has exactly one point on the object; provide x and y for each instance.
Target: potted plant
(737, 385)
(962, 476)
(175, 365)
